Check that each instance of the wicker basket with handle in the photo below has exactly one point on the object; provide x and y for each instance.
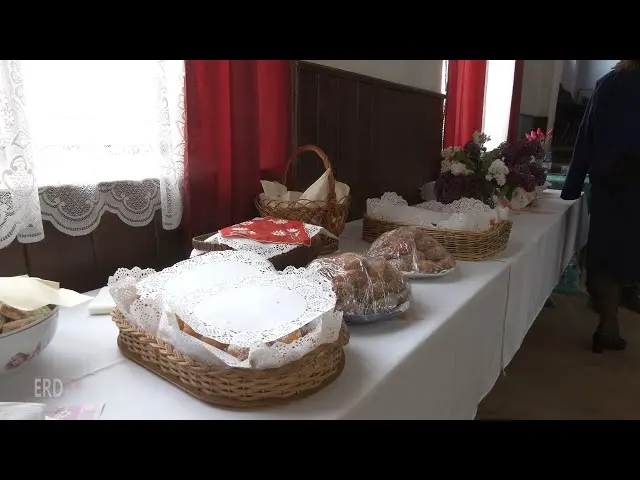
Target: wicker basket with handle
(462, 245)
(330, 213)
(233, 387)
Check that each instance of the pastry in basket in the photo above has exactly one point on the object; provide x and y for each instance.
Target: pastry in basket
(364, 286)
(238, 352)
(412, 250)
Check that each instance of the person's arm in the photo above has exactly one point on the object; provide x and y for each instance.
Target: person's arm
(582, 151)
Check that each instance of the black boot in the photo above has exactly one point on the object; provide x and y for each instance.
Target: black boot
(602, 342)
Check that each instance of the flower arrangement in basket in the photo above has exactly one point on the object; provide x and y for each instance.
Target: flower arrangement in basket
(500, 175)
(526, 178)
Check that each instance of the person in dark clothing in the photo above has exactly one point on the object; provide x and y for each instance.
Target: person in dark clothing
(608, 150)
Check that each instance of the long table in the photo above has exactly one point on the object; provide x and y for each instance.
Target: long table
(542, 242)
(437, 362)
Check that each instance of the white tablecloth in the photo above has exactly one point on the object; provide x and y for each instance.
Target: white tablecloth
(543, 240)
(438, 363)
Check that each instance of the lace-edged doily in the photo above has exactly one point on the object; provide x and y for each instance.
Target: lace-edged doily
(200, 272)
(267, 250)
(463, 214)
(295, 297)
(308, 304)
(151, 309)
(138, 293)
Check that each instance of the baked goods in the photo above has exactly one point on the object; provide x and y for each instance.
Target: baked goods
(364, 286)
(411, 250)
(12, 319)
(240, 353)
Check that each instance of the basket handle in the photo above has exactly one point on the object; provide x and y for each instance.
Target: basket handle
(331, 180)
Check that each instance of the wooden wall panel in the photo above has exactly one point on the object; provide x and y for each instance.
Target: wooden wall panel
(380, 136)
(85, 262)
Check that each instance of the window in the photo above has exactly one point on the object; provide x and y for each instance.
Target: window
(81, 137)
(497, 100)
(93, 121)
(443, 88)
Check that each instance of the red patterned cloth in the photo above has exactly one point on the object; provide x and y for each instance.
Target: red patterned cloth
(270, 230)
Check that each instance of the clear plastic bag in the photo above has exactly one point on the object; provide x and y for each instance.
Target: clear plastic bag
(412, 250)
(364, 286)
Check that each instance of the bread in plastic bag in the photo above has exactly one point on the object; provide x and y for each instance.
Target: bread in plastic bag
(363, 286)
(411, 250)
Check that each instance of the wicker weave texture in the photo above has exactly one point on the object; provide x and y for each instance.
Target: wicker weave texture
(462, 245)
(234, 387)
(328, 213)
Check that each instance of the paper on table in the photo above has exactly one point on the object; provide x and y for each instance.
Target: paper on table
(317, 191)
(49, 283)
(75, 412)
(103, 303)
(21, 411)
(27, 293)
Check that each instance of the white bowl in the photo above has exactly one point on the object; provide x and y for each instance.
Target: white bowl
(20, 346)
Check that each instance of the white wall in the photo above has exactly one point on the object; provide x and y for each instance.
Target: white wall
(589, 72)
(537, 87)
(569, 74)
(425, 74)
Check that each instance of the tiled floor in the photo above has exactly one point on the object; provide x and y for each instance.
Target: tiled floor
(555, 376)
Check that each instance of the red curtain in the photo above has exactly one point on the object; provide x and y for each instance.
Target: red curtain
(465, 100)
(516, 98)
(237, 133)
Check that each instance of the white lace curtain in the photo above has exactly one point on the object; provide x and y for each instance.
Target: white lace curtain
(81, 137)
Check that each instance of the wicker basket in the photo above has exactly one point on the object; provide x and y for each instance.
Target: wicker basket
(298, 257)
(462, 245)
(329, 214)
(233, 387)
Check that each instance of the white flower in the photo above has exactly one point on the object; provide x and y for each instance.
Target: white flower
(292, 230)
(279, 233)
(445, 166)
(278, 221)
(458, 168)
(248, 222)
(498, 171)
(448, 152)
(480, 138)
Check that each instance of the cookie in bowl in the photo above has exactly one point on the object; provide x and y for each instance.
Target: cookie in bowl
(24, 334)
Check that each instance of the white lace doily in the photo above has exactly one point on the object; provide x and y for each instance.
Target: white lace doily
(267, 250)
(313, 317)
(463, 214)
(138, 293)
(202, 271)
(258, 310)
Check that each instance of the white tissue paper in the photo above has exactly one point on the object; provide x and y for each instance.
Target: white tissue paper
(22, 411)
(464, 214)
(316, 192)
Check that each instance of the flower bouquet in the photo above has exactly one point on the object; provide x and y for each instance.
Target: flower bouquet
(526, 178)
(470, 172)
(494, 176)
